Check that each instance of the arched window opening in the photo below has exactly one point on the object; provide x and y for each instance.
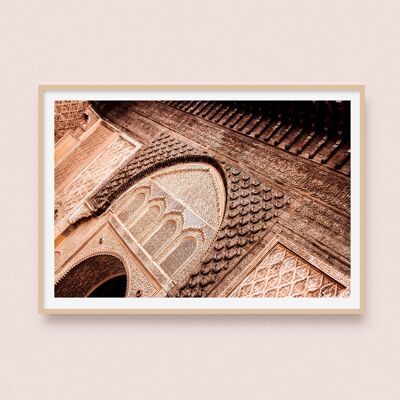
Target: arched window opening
(132, 208)
(179, 255)
(146, 220)
(161, 237)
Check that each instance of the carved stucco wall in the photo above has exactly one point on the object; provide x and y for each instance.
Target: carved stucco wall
(318, 181)
(193, 197)
(92, 175)
(250, 210)
(68, 116)
(296, 198)
(82, 152)
(104, 240)
(90, 162)
(199, 187)
(139, 215)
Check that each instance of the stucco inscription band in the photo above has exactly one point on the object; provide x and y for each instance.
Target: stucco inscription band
(202, 199)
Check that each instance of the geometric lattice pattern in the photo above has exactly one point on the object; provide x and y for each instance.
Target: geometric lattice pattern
(195, 188)
(284, 274)
(68, 115)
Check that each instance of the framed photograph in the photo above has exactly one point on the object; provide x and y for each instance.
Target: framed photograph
(201, 199)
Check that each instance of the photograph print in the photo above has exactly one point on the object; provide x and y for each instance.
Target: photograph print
(201, 200)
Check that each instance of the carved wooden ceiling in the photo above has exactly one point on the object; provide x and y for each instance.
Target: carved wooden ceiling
(315, 130)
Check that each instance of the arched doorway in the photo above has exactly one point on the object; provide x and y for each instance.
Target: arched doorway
(102, 275)
(113, 287)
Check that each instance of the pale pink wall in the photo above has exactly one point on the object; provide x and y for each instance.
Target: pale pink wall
(126, 357)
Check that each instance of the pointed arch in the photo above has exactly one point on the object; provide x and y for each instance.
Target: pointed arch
(175, 218)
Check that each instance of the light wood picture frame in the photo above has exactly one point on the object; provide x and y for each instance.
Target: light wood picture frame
(209, 199)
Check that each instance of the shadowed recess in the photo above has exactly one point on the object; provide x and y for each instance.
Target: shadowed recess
(92, 276)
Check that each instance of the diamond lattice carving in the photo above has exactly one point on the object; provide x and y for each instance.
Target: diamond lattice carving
(284, 274)
(68, 115)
